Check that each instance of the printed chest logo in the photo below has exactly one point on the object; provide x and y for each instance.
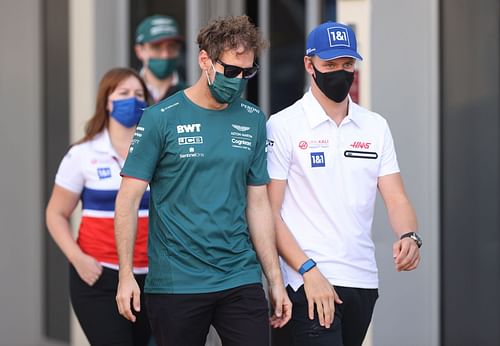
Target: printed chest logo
(317, 159)
(192, 153)
(314, 143)
(363, 153)
(188, 128)
(360, 145)
(241, 128)
(241, 139)
(104, 172)
(190, 140)
(319, 143)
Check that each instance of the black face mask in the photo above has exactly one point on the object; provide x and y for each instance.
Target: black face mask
(335, 85)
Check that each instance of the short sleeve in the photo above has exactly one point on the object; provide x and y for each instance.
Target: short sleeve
(69, 174)
(257, 174)
(389, 162)
(145, 149)
(279, 150)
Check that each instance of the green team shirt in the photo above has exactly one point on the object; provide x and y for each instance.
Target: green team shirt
(198, 163)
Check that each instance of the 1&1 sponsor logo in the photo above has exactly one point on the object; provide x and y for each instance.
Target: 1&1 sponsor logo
(318, 159)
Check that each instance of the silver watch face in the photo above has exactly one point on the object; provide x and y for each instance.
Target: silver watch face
(416, 238)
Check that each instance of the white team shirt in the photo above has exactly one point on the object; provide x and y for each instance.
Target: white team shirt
(332, 174)
(92, 170)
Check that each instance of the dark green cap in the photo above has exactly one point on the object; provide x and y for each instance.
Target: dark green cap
(157, 28)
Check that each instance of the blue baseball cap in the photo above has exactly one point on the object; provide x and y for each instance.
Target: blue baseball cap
(332, 40)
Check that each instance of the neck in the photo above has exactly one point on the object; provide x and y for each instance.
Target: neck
(120, 137)
(336, 111)
(200, 94)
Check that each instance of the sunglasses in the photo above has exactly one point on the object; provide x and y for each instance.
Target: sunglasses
(231, 71)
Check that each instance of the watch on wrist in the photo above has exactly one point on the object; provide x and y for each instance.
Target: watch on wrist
(308, 265)
(414, 236)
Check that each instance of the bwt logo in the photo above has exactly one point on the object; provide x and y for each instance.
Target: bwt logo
(360, 145)
(190, 140)
(188, 128)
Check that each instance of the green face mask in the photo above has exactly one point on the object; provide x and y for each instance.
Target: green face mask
(224, 89)
(162, 68)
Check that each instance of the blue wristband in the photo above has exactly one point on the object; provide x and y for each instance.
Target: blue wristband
(308, 265)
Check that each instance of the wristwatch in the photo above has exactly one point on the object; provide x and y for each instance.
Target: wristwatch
(308, 265)
(414, 236)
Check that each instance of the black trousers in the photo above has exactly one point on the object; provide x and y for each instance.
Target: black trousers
(240, 315)
(349, 327)
(96, 310)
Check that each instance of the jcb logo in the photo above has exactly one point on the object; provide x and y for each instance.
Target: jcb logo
(188, 128)
(190, 140)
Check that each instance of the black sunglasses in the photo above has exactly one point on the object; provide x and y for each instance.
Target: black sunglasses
(231, 71)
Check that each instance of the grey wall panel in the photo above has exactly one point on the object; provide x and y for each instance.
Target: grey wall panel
(470, 172)
(404, 88)
(111, 36)
(20, 183)
(55, 125)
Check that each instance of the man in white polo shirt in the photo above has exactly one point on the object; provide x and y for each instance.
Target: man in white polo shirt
(327, 156)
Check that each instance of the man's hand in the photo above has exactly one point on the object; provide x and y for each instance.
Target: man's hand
(320, 293)
(282, 306)
(406, 254)
(127, 295)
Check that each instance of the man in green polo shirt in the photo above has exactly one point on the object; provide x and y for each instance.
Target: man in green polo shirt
(203, 153)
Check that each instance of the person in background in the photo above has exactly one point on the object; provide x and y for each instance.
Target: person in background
(327, 156)
(90, 172)
(158, 46)
(203, 153)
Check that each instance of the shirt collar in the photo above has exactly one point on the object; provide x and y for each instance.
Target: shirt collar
(314, 112)
(155, 94)
(316, 115)
(102, 143)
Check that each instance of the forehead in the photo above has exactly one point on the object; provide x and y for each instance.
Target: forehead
(238, 56)
(162, 44)
(130, 82)
(339, 61)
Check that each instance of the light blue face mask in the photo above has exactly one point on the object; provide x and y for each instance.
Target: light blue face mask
(225, 89)
(128, 112)
(162, 68)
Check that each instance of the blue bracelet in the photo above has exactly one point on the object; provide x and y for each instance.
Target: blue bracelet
(308, 265)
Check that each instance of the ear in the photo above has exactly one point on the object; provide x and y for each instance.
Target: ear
(139, 52)
(109, 105)
(308, 65)
(204, 60)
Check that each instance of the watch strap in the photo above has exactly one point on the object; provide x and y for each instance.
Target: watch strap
(306, 266)
(414, 236)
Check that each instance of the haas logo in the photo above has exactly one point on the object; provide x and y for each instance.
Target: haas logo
(360, 145)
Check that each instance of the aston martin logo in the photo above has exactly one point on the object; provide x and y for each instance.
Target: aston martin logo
(241, 128)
